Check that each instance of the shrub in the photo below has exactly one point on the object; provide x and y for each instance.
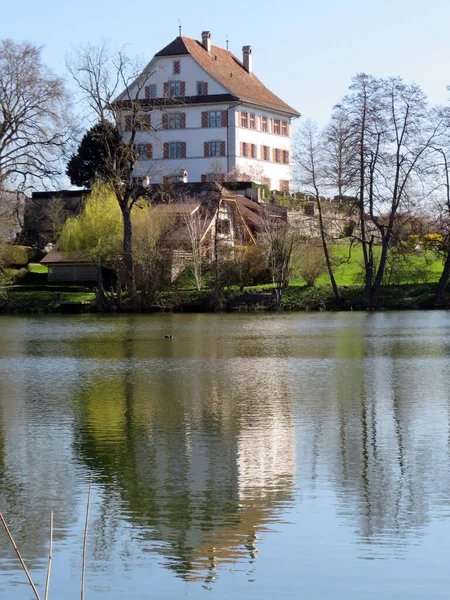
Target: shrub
(309, 262)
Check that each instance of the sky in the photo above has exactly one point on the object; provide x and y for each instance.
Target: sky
(304, 51)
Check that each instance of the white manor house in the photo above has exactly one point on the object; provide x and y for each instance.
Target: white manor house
(226, 120)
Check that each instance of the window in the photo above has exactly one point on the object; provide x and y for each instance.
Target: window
(223, 227)
(174, 149)
(264, 124)
(265, 181)
(143, 151)
(284, 186)
(214, 148)
(252, 121)
(253, 151)
(244, 119)
(276, 155)
(276, 126)
(137, 122)
(174, 89)
(174, 121)
(202, 88)
(284, 128)
(244, 148)
(285, 157)
(214, 118)
(265, 154)
(176, 66)
(151, 91)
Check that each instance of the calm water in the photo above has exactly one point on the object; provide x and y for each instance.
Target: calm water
(302, 456)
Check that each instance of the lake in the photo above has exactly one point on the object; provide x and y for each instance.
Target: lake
(251, 456)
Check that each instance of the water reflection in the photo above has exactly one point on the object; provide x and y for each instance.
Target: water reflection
(200, 461)
(200, 446)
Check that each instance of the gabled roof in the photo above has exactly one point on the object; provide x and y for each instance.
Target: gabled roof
(229, 71)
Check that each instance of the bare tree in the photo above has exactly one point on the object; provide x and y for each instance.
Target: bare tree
(279, 241)
(195, 222)
(440, 177)
(35, 125)
(312, 163)
(113, 88)
(391, 135)
(55, 215)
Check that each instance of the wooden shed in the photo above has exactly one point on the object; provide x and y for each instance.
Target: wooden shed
(65, 268)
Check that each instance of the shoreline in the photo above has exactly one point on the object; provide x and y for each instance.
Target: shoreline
(295, 299)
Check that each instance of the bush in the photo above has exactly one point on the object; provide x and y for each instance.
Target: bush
(309, 262)
(12, 276)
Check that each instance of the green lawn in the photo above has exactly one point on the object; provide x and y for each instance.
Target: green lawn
(412, 268)
(37, 268)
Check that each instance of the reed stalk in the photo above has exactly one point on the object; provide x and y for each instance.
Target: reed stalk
(50, 557)
(83, 564)
(19, 556)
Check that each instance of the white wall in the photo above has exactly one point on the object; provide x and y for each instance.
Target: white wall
(195, 136)
(269, 169)
(161, 69)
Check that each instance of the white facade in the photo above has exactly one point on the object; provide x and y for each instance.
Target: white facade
(181, 137)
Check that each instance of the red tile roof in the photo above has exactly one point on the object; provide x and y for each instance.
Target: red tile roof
(229, 71)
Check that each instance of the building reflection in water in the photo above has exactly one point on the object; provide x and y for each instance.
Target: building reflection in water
(201, 453)
(199, 447)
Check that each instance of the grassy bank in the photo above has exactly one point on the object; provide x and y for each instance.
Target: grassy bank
(30, 293)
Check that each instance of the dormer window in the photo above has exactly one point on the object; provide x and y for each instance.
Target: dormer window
(176, 66)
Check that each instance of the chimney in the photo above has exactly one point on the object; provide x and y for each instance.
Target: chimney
(247, 58)
(206, 40)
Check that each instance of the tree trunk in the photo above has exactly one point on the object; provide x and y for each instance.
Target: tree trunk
(439, 297)
(128, 250)
(336, 291)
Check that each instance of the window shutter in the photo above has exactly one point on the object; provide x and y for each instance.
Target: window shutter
(203, 178)
(127, 122)
(242, 149)
(166, 150)
(149, 151)
(288, 126)
(224, 118)
(206, 149)
(281, 185)
(147, 121)
(286, 157)
(183, 120)
(176, 66)
(268, 183)
(249, 150)
(183, 149)
(147, 92)
(261, 149)
(166, 89)
(274, 155)
(182, 88)
(222, 148)
(165, 121)
(204, 119)
(205, 88)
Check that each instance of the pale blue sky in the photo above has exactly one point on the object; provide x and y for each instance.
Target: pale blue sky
(304, 51)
